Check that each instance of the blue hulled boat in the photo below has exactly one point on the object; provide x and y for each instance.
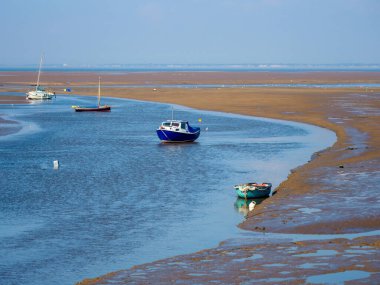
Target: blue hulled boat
(253, 190)
(177, 131)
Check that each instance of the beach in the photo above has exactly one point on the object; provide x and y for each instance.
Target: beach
(328, 207)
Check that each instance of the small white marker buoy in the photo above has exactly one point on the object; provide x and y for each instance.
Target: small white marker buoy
(252, 205)
(55, 164)
(206, 129)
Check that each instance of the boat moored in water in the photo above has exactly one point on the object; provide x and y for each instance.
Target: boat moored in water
(104, 108)
(177, 131)
(253, 190)
(98, 108)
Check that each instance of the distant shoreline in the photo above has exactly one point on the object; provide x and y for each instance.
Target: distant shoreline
(263, 67)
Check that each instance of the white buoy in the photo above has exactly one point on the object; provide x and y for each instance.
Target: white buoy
(55, 164)
(252, 205)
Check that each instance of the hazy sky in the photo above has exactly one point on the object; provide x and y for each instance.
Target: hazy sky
(78, 32)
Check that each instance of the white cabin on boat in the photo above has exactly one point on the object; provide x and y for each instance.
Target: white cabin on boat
(175, 126)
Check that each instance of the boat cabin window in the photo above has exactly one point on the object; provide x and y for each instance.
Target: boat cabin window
(183, 125)
(166, 124)
(175, 124)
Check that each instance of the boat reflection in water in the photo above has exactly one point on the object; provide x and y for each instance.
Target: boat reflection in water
(244, 206)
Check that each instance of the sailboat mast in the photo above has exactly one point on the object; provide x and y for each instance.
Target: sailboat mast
(99, 93)
(39, 72)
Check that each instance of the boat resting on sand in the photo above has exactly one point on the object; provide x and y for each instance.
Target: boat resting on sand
(253, 190)
(39, 93)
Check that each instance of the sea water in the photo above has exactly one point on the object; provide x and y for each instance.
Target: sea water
(120, 197)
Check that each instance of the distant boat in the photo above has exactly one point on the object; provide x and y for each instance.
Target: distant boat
(39, 93)
(98, 108)
(253, 190)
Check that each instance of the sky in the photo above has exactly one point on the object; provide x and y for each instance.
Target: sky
(96, 32)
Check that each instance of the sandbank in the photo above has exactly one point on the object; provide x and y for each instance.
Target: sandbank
(8, 127)
(71, 79)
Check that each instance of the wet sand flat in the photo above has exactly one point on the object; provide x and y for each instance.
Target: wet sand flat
(8, 127)
(335, 193)
(70, 79)
(267, 262)
(13, 100)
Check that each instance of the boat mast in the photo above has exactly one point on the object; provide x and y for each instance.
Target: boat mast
(39, 72)
(172, 113)
(99, 93)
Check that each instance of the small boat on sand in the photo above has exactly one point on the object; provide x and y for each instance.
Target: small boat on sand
(39, 93)
(98, 108)
(253, 190)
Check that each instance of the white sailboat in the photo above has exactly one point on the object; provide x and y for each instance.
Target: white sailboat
(39, 93)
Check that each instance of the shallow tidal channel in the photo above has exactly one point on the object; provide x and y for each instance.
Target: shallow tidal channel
(120, 197)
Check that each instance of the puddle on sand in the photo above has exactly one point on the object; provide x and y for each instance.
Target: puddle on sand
(311, 265)
(309, 210)
(254, 237)
(196, 274)
(322, 252)
(360, 251)
(274, 265)
(338, 277)
(253, 257)
(274, 280)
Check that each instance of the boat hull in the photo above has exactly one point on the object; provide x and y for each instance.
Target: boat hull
(176, 137)
(93, 109)
(253, 194)
(246, 192)
(38, 95)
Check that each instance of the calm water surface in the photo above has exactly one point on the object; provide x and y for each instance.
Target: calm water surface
(120, 197)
